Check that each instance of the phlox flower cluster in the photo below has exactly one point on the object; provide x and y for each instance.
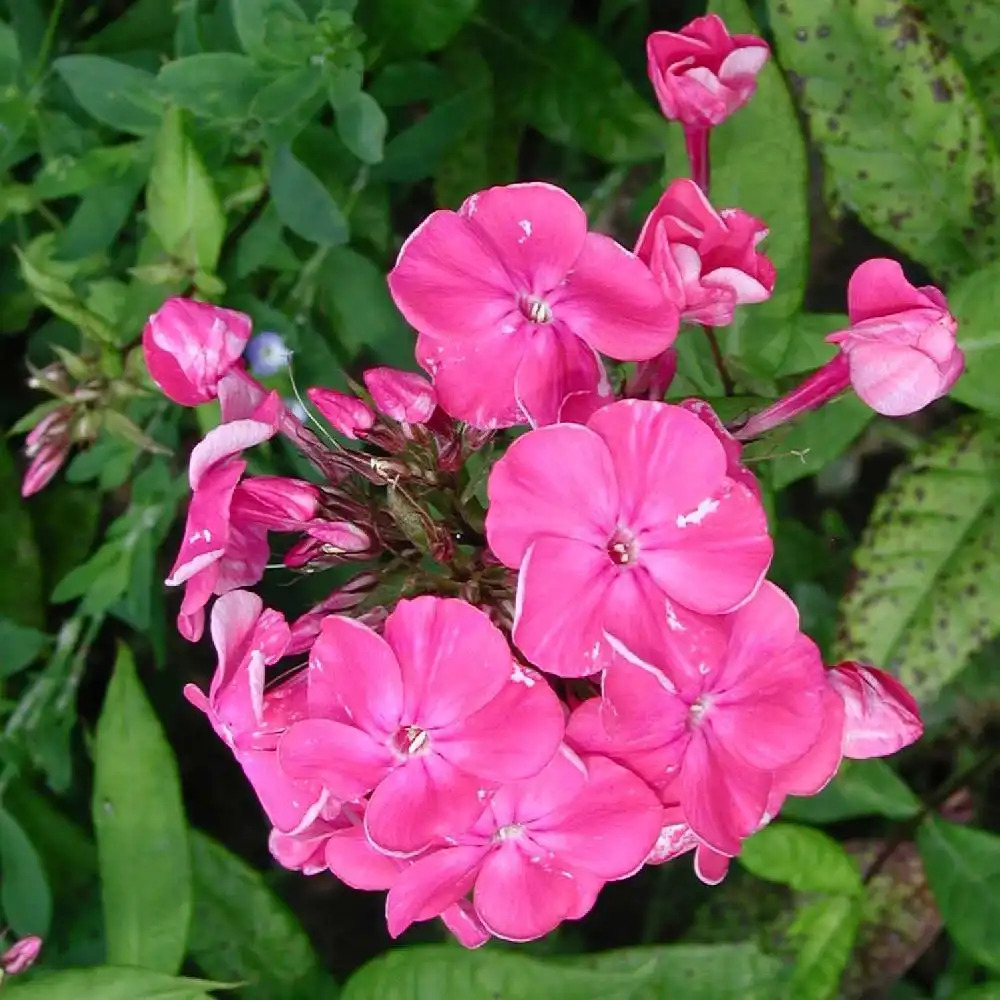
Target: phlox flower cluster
(519, 698)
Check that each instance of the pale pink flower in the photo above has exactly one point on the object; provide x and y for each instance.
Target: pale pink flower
(706, 261)
(539, 853)
(189, 346)
(702, 74)
(513, 298)
(346, 414)
(607, 522)
(436, 715)
(403, 396)
(901, 343)
(881, 716)
(20, 956)
(250, 718)
(727, 704)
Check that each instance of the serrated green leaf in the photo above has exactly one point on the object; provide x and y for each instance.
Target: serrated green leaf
(800, 857)
(141, 834)
(963, 870)
(219, 86)
(25, 896)
(823, 934)
(303, 203)
(181, 203)
(110, 983)
(242, 931)
(605, 117)
(927, 588)
(21, 580)
(905, 143)
(975, 303)
(113, 92)
(404, 26)
(861, 788)
(694, 972)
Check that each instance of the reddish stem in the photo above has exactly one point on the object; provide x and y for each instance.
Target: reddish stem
(696, 143)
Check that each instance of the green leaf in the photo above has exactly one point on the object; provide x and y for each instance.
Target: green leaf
(927, 588)
(361, 124)
(119, 95)
(65, 519)
(303, 203)
(101, 580)
(109, 983)
(861, 788)
(21, 580)
(800, 857)
(988, 991)
(963, 869)
(142, 838)
(25, 896)
(604, 117)
(263, 25)
(21, 646)
(405, 26)
(823, 934)
(181, 203)
(693, 972)
(975, 303)
(906, 145)
(759, 165)
(219, 86)
(242, 931)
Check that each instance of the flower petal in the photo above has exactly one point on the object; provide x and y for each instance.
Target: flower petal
(879, 288)
(894, 380)
(351, 857)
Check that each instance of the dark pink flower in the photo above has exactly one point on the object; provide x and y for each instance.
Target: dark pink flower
(189, 346)
(727, 703)
(539, 853)
(426, 723)
(513, 298)
(901, 342)
(706, 261)
(733, 448)
(403, 396)
(346, 414)
(47, 446)
(881, 716)
(20, 956)
(612, 522)
(250, 719)
(702, 74)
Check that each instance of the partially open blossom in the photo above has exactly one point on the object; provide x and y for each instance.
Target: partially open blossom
(608, 522)
(702, 74)
(189, 346)
(706, 261)
(513, 298)
(403, 396)
(422, 720)
(346, 414)
(539, 853)
(21, 955)
(249, 718)
(901, 343)
(881, 716)
(47, 446)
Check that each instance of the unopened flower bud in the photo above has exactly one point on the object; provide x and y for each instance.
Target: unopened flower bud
(403, 396)
(21, 955)
(347, 415)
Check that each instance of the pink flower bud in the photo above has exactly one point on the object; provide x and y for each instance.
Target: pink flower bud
(702, 74)
(881, 716)
(901, 343)
(347, 415)
(403, 396)
(21, 955)
(275, 502)
(47, 445)
(189, 346)
(706, 261)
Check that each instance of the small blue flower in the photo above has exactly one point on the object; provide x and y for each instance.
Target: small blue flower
(267, 354)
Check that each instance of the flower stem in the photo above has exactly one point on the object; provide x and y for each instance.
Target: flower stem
(720, 364)
(696, 143)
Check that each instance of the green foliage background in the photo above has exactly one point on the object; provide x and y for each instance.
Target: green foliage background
(272, 155)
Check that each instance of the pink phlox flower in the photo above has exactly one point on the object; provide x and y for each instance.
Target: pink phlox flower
(512, 299)
(901, 343)
(702, 74)
(735, 468)
(539, 853)
(248, 715)
(606, 522)
(707, 262)
(402, 396)
(881, 716)
(190, 346)
(429, 718)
